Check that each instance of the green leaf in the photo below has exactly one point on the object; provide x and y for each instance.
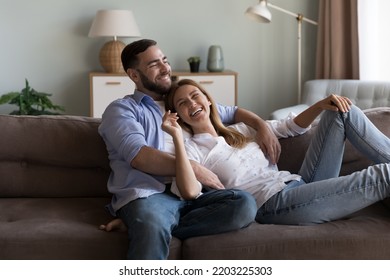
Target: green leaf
(30, 102)
(8, 97)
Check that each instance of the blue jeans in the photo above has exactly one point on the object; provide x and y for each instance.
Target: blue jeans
(322, 195)
(152, 221)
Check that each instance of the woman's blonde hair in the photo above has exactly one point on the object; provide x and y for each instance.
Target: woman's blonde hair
(232, 136)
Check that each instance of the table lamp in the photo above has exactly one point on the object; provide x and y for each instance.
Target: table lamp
(113, 23)
(260, 13)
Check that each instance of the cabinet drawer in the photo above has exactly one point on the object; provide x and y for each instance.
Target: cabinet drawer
(105, 89)
(222, 87)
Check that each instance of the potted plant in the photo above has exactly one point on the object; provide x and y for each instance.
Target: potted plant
(194, 62)
(30, 102)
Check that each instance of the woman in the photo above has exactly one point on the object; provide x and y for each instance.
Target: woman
(316, 194)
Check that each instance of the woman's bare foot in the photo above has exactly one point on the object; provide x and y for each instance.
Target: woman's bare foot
(114, 225)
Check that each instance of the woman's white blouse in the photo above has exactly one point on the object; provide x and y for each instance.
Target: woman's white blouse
(246, 168)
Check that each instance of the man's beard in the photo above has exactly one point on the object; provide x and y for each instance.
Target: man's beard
(152, 86)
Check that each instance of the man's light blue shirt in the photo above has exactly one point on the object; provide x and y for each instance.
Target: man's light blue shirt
(127, 125)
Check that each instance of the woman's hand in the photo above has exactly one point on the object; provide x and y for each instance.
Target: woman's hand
(335, 103)
(332, 102)
(170, 125)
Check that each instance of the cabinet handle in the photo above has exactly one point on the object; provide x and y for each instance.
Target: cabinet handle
(206, 82)
(113, 83)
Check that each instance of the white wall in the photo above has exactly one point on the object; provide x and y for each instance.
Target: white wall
(46, 42)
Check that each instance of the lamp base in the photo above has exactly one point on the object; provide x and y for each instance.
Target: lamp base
(110, 56)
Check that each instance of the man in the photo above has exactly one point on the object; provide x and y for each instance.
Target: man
(142, 169)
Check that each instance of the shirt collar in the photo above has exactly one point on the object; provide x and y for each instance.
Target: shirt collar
(139, 97)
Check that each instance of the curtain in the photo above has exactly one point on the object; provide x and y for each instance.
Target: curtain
(337, 40)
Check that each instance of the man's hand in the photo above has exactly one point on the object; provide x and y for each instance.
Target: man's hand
(265, 137)
(268, 143)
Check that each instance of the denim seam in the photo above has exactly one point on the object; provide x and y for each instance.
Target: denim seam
(323, 140)
(363, 139)
(297, 206)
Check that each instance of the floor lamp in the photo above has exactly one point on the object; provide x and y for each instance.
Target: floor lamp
(260, 13)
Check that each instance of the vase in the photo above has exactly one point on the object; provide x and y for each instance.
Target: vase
(215, 61)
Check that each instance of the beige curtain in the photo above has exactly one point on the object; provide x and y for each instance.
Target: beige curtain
(337, 40)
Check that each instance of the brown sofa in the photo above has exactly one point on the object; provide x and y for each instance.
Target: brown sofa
(53, 173)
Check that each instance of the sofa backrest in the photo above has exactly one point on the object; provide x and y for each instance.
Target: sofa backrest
(64, 156)
(364, 94)
(52, 156)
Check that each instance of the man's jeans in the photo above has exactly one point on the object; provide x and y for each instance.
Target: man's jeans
(322, 195)
(152, 221)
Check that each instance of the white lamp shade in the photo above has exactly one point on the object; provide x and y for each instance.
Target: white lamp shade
(259, 12)
(114, 23)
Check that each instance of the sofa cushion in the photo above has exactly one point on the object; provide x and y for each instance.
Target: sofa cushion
(57, 228)
(61, 228)
(52, 156)
(364, 235)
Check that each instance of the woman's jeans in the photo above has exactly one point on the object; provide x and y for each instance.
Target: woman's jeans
(322, 195)
(152, 221)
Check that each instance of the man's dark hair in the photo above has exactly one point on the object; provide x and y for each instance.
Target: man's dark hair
(130, 52)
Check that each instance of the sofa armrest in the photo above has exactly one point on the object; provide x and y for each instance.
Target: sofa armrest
(284, 112)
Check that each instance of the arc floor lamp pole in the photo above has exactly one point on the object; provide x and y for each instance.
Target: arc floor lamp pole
(260, 13)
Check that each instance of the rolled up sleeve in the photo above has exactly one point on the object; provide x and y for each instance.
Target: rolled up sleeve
(286, 127)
